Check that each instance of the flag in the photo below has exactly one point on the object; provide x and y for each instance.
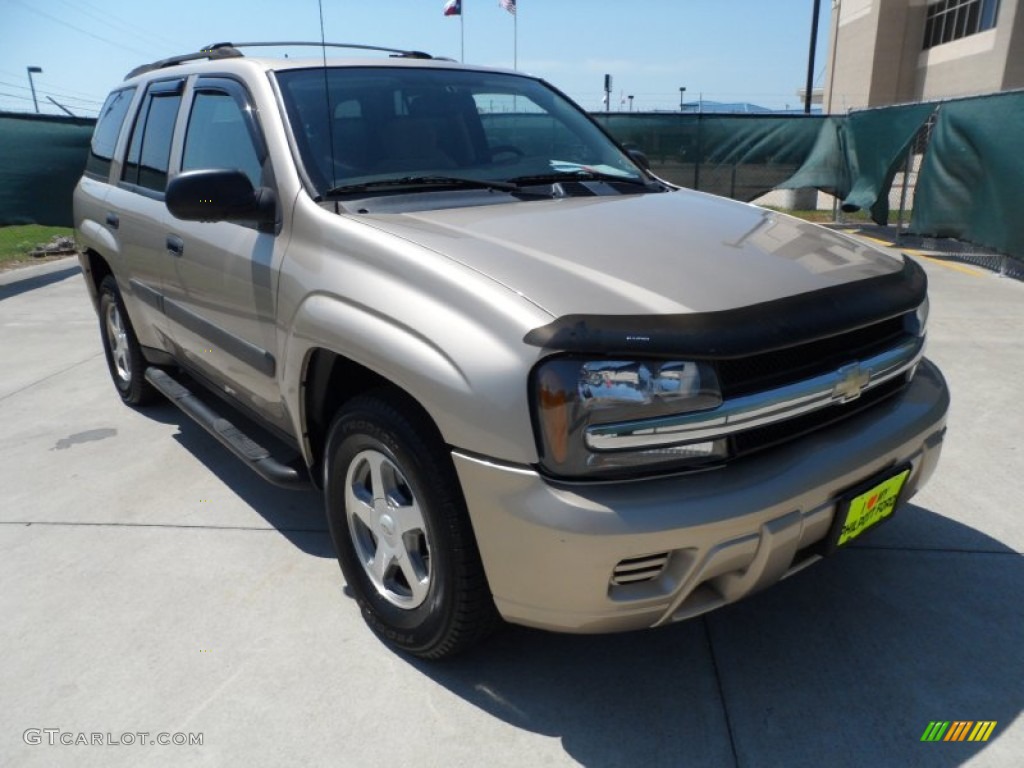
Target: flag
(508, 5)
(453, 8)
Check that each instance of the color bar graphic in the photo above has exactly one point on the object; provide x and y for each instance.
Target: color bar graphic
(958, 730)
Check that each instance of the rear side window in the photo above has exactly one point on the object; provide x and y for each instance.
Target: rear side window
(150, 150)
(108, 128)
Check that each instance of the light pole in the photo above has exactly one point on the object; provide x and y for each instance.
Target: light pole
(810, 57)
(682, 93)
(38, 71)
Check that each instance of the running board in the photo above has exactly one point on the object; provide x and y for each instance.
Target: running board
(231, 437)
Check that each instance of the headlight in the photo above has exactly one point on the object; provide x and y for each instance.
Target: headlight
(571, 395)
(919, 323)
(916, 322)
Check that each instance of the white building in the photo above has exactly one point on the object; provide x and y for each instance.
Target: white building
(897, 51)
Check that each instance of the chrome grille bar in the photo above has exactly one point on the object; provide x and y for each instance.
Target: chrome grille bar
(760, 409)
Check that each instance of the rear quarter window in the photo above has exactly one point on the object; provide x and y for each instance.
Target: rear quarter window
(108, 129)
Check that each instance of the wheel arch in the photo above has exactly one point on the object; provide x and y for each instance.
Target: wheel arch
(94, 268)
(329, 381)
(465, 369)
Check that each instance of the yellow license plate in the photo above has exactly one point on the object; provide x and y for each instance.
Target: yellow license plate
(868, 509)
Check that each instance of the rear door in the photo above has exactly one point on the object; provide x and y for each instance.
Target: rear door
(137, 214)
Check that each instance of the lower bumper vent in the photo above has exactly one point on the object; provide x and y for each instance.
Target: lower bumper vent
(639, 569)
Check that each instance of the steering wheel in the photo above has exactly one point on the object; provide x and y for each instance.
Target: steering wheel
(506, 149)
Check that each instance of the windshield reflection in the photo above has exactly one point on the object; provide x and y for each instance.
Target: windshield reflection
(362, 125)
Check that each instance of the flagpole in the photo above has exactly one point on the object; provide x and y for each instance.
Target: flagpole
(515, 40)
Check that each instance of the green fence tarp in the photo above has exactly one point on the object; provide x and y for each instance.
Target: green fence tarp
(738, 156)
(826, 166)
(856, 158)
(41, 160)
(971, 184)
(877, 149)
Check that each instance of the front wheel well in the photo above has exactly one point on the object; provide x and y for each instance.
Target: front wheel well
(332, 380)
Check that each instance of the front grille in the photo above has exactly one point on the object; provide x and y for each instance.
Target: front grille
(757, 373)
(638, 569)
(744, 443)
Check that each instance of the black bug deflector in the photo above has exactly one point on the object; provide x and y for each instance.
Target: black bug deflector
(750, 330)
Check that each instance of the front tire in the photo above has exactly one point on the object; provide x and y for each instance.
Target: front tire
(401, 531)
(121, 347)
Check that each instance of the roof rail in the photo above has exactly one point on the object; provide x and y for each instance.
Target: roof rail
(213, 52)
(230, 51)
(397, 52)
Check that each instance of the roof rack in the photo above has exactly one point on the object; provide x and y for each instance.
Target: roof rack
(230, 51)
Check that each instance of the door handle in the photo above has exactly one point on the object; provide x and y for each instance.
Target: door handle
(175, 245)
(113, 221)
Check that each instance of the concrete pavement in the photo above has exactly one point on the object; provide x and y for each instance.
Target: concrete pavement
(151, 583)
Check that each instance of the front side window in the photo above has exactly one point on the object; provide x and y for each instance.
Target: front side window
(218, 136)
(108, 128)
(150, 149)
(372, 125)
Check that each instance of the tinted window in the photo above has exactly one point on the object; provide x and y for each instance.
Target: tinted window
(359, 125)
(218, 137)
(150, 149)
(108, 128)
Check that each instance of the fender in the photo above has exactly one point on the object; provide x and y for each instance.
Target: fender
(459, 392)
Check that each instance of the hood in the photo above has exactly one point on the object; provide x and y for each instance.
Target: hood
(667, 253)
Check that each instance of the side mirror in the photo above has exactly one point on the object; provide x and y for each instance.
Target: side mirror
(219, 195)
(639, 158)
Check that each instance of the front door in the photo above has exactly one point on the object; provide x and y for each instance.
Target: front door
(222, 304)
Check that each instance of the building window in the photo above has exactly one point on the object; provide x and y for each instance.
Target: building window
(949, 20)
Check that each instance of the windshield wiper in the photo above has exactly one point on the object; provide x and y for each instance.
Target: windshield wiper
(578, 174)
(458, 182)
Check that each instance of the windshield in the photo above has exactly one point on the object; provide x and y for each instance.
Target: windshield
(361, 127)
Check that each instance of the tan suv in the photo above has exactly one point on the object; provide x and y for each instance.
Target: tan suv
(532, 380)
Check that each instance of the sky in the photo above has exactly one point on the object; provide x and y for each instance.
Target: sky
(719, 50)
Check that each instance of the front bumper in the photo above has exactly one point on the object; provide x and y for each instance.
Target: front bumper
(606, 557)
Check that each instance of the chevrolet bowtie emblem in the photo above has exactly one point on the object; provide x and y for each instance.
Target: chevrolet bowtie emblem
(852, 381)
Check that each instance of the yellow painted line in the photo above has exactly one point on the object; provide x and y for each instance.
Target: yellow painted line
(951, 264)
(919, 254)
(886, 243)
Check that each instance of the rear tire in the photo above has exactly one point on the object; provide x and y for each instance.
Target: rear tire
(401, 531)
(121, 347)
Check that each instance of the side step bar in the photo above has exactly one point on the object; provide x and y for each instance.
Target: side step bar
(231, 437)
